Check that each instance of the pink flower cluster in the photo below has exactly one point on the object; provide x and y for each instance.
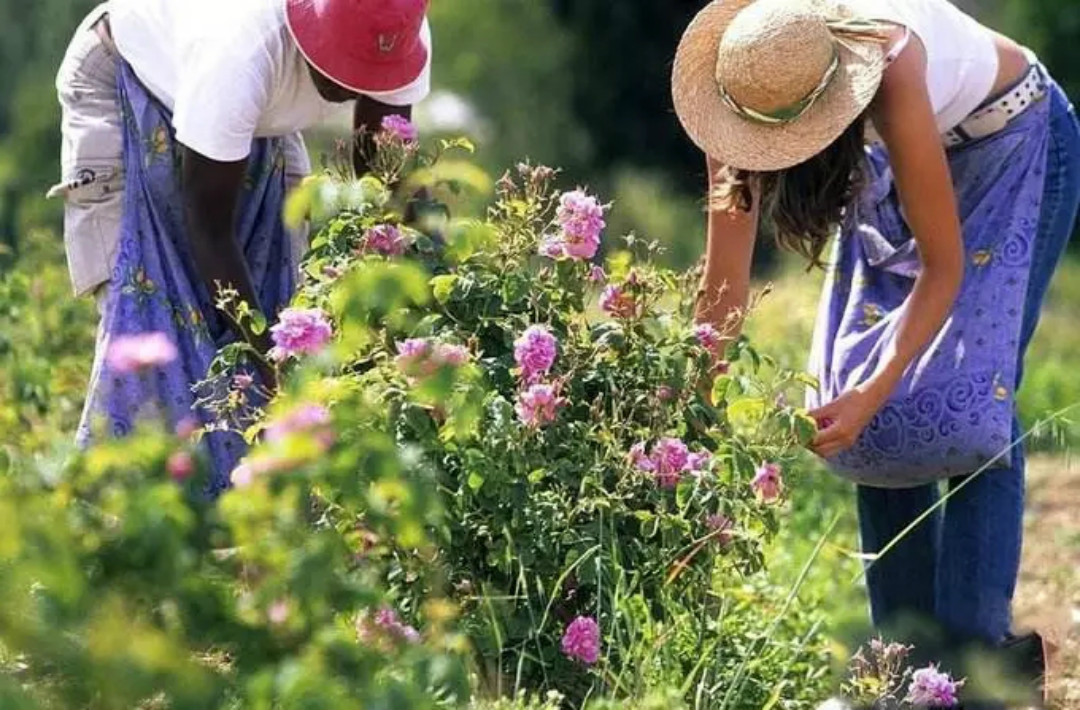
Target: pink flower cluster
(669, 460)
(385, 624)
(535, 352)
(305, 419)
(181, 466)
(300, 331)
(932, 688)
(385, 239)
(581, 220)
(538, 405)
(135, 353)
(581, 640)
(616, 302)
(423, 357)
(400, 127)
(768, 482)
(709, 338)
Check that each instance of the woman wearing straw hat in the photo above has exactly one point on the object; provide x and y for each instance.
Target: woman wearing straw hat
(181, 129)
(950, 162)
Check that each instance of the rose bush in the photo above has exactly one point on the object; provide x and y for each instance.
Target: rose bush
(591, 463)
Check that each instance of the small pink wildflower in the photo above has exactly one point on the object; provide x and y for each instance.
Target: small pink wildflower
(331, 272)
(581, 641)
(133, 353)
(400, 127)
(708, 337)
(617, 303)
(597, 274)
(538, 405)
(665, 393)
(421, 357)
(932, 688)
(301, 331)
(385, 239)
(581, 217)
(768, 482)
(720, 526)
(181, 466)
(535, 352)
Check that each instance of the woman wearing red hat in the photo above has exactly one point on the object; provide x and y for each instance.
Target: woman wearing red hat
(181, 125)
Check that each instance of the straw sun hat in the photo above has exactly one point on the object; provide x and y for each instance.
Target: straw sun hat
(763, 85)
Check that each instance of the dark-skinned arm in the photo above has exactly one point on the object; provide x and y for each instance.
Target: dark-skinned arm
(367, 118)
(211, 191)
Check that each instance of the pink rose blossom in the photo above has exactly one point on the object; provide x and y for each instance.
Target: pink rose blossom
(450, 355)
(671, 458)
(307, 418)
(665, 393)
(639, 458)
(617, 303)
(581, 218)
(552, 247)
(385, 239)
(708, 337)
(698, 461)
(768, 483)
(400, 127)
(932, 688)
(387, 620)
(421, 357)
(301, 331)
(187, 427)
(278, 613)
(538, 405)
(242, 476)
(597, 274)
(181, 466)
(535, 352)
(720, 526)
(581, 641)
(133, 353)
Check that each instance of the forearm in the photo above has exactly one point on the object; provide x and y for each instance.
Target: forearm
(725, 283)
(922, 316)
(367, 119)
(211, 191)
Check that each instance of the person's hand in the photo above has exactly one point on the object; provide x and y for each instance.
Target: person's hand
(841, 421)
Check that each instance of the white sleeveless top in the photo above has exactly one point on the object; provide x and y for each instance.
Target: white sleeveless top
(961, 56)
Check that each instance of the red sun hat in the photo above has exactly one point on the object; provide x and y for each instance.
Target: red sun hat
(363, 45)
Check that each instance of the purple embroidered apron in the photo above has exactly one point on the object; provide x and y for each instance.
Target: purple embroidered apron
(953, 411)
(155, 286)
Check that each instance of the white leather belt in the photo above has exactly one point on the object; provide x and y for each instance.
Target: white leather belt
(991, 118)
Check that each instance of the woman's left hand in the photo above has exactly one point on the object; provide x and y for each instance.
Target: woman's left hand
(841, 421)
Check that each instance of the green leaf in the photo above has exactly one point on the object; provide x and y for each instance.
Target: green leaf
(537, 476)
(442, 287)
(720, 388)
(808, 380)
(258, 322)
(805, 428)
(476, 481)
(746, 413)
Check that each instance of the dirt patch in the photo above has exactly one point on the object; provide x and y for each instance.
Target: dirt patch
(1048, 599)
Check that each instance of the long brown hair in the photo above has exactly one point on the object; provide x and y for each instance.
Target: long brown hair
(806, 202)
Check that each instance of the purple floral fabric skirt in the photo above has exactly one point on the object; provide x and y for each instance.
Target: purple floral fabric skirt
(953, 411)
(155, 287)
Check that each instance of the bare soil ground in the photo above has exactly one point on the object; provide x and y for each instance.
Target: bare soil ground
(1048, 599)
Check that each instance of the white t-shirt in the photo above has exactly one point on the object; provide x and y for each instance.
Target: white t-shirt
(230, 71)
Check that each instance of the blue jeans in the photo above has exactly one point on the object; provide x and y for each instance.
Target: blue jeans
(959, 568)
